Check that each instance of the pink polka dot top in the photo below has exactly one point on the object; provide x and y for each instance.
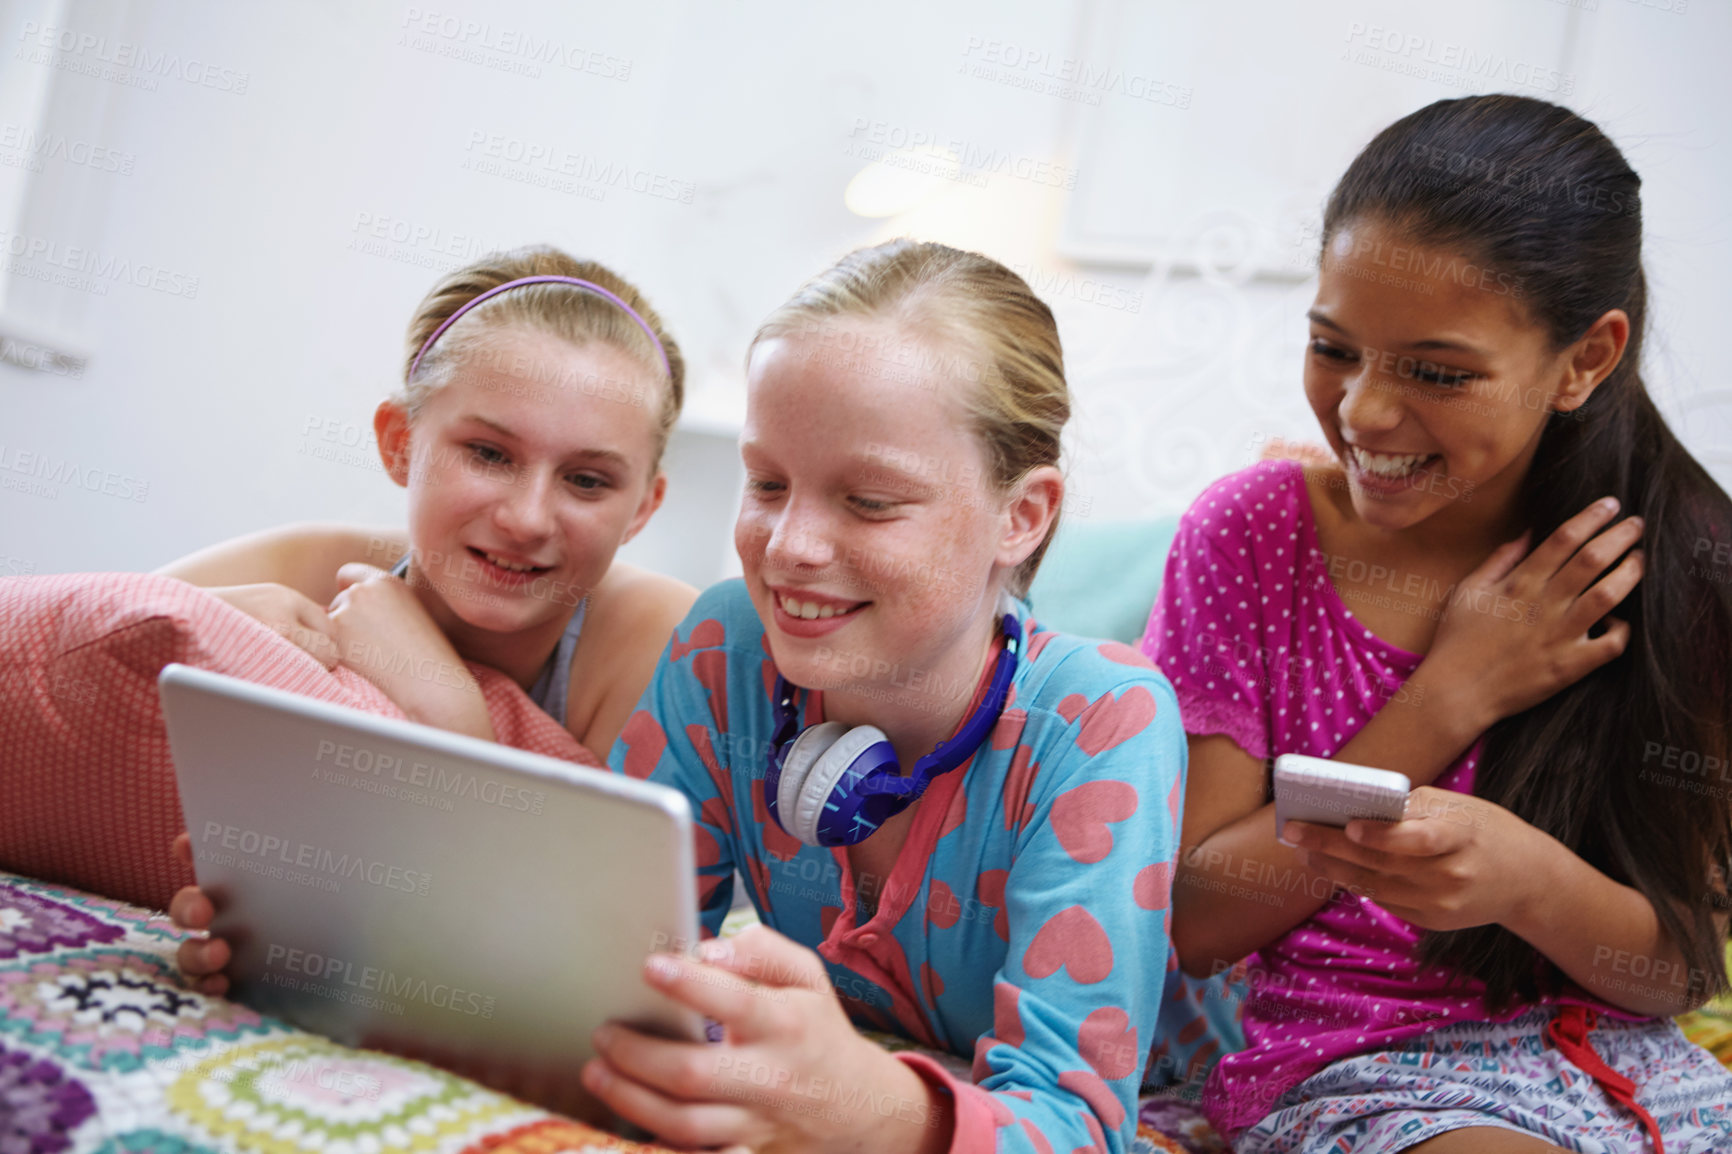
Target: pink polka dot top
(1260, 647)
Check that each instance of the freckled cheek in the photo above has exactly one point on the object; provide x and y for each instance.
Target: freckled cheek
(751, 532)
(950, 576)
(454, 487)
(433, 510)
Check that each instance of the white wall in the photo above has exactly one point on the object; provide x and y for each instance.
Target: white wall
(261, 172)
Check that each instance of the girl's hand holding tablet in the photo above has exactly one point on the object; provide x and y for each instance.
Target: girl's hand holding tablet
(201, 959)
(970, 817)
(767, 1085)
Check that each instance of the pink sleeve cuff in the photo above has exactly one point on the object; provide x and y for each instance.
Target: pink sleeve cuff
(975, 1126)
(1206, 715)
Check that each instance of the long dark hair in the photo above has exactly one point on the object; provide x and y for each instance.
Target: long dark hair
(1540, 196)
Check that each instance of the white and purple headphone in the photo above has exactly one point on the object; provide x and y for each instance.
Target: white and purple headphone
(830, 785)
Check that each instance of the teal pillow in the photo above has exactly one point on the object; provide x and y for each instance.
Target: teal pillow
(1100, 579)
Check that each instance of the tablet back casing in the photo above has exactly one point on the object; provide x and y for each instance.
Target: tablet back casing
(398, 887)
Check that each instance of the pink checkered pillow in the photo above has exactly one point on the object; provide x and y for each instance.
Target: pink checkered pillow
(87, 789)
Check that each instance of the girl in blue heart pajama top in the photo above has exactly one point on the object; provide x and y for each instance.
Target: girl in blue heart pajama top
(1025, 923)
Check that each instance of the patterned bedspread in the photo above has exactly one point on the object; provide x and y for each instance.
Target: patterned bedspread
(102, 1049)
(1711, 1026)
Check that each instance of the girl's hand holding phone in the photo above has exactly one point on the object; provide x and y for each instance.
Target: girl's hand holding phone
(772, 1083)
(1454, 861)
(1515, 630)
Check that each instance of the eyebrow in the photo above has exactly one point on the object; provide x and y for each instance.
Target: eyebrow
(608, 455)
(910, 479)
(1318, 318)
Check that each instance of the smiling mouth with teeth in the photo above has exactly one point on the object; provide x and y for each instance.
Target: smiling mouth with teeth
(811, 611)
(1388, 466)
(508, 566)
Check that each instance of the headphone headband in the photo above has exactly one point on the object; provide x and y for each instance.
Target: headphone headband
(576, 282)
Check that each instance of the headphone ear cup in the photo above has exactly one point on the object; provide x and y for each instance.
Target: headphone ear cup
(820, 781)
(803, 753)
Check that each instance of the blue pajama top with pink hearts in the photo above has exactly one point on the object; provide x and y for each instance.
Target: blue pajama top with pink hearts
(1025, 923)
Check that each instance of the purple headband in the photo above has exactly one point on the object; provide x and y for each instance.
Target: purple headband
(571, 280)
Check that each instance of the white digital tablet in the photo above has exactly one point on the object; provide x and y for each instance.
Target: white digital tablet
(398, 887)
(1327, 792)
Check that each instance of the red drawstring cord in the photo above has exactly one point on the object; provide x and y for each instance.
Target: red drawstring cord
(1569, 1033)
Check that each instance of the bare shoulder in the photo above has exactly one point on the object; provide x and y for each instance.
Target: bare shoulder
(1331, 503)
(637, 602)
(304, 556)
(383, 547)
(634, 612)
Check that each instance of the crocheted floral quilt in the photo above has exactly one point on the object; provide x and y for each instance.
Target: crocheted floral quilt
(103, 1049)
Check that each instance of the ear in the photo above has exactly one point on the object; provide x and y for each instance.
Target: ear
(1030, 511)
(391, 430)
(652, 500)
(1591, 360)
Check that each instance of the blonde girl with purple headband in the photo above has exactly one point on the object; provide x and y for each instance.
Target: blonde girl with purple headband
(538, 395)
